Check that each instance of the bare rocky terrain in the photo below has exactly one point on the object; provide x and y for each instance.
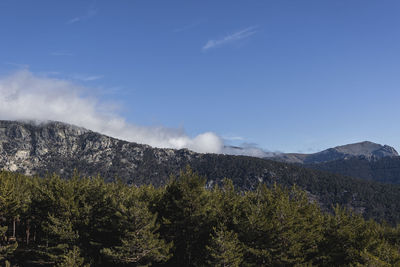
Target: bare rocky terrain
(55, 147)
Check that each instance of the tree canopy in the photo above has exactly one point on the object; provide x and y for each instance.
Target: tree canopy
(82, 221)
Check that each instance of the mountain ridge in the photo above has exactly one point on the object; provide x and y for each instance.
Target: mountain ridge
(42, 149)
(369, 150)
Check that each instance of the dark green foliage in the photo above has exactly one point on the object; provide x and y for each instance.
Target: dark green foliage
(377, 201)
(72, 258)
(186, 218)
(225, 249)
(349, 240)
(6, 248)
(14, 202)
(88, 222)
(385, 170)
(279, 227)
(139, 242)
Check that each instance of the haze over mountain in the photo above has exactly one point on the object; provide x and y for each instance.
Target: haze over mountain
(61, 148)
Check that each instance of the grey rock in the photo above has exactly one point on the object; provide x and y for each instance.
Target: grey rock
(54, 147)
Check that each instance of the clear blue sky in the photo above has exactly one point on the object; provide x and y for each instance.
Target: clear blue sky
(287, 75)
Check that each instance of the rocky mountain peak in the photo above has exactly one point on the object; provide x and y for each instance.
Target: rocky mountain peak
(40, 148)
(47, 130)
(366, 149)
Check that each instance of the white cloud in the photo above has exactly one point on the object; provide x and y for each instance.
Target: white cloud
(26, 96)
(248, 150)
(86, 78)
(239, 35)
(90, 13)
(73, 20)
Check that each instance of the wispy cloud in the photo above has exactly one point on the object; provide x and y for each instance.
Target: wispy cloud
(85, 77)
(92, 11)
(61, 54)
(234, 37)
(27, 96)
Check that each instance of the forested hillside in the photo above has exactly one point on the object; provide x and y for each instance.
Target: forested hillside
(385, 170)
(60, 148)
(88, 222)
(371, 199)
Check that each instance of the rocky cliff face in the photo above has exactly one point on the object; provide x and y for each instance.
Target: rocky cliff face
(55, 147)
(38, 149)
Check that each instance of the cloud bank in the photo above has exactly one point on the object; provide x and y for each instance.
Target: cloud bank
(26, 96)
(239, 35)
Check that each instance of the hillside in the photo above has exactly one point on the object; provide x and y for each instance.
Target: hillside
(61, 148)
(385, 170)
(367, 150)
(364, 160)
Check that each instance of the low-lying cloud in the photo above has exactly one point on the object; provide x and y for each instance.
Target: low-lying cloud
(26, 96)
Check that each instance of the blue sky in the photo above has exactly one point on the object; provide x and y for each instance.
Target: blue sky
(292, 76)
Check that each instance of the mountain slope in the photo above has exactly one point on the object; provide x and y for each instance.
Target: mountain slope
(385, 170)
(368, 150)
(61, 148)
(364, 160)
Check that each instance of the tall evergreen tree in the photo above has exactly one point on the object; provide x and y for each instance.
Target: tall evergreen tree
(139, 244)
(72, 258)
(6, 249)
(225, 249)
(186, 218)
(280, 227)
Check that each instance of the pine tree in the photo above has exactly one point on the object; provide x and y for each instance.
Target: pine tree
(14, 198)
(139, 243)
(6, 249)
(279, 227)
(72, 258)
(225, 249)
(350, 240)
(62, 238)
(187, 218)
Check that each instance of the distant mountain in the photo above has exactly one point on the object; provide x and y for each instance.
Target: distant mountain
(38, 149)
(367, 150)
(364, 160)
